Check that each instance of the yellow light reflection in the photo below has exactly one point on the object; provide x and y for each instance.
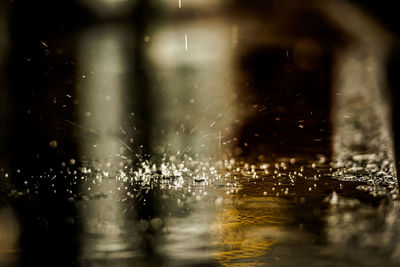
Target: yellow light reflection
(9, 235)
(246, 231)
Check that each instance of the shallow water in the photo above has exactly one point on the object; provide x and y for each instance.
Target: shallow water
(237, 215)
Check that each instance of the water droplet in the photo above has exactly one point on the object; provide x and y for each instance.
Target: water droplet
(53, 144)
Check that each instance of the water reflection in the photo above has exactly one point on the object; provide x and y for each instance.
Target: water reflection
(9, 236)
(188, 240)
(247, 230)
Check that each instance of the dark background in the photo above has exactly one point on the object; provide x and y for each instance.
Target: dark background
(36, 75)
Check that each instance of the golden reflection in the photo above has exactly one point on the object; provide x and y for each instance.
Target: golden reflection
(9, 235)
(247, 230)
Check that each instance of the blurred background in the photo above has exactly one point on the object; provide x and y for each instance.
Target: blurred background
(96, 96)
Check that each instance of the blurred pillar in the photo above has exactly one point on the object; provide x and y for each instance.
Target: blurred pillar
(195, 95)
(361, 114)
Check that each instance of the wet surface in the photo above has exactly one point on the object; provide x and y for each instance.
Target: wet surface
(268, 214)
(168, 133)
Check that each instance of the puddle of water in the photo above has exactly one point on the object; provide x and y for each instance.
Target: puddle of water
(240, 214)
